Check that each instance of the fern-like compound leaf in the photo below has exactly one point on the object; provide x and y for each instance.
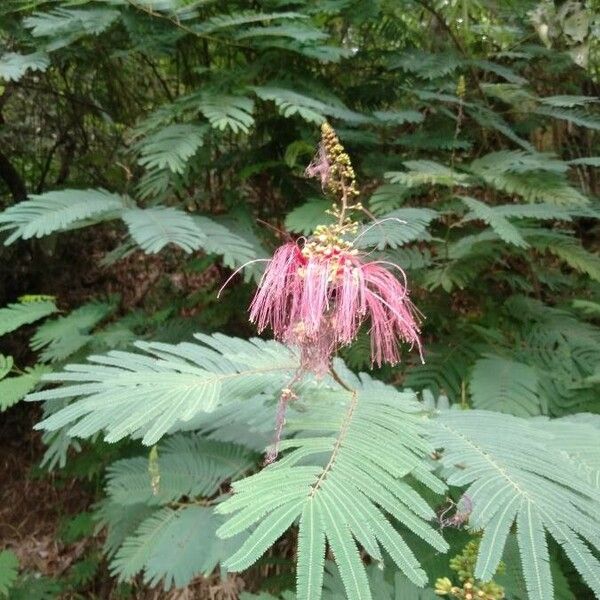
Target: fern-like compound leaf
(6, 365)
(226, 21)
(345, 468)
(172, 546)
(13, 65)
(14, 316)
(305, 218)
(227, 112)
(188, 465)
(235, 244)
(505, 385)
(13, 389)
(396, 228)
(62, 26)
(149, 394)
(572, 115)
(9, 570)
(531, 537)
(515, 470)
(43, 214)
(59, 338)
(171, 147)
(154, 228)
(311, 553)
(399, 117)
(310, 109)
(502, 226)
(298, 31)
(533, 176)
(421, 172)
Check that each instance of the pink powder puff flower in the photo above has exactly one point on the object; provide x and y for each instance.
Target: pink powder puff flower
(318, 296)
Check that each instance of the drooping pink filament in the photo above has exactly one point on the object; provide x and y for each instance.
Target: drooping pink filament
(319, 300)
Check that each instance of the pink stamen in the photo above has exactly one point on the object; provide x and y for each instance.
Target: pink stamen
(250, 262)
(318, 302)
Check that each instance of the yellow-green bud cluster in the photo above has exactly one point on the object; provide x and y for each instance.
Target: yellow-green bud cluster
(341, 183)
(342, 179)
(328, 238)
(469, 588)
(461, 87)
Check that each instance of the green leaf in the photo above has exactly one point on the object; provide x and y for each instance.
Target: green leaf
(399, 117)
(120, 521)
(504, 228)
(14, 316)
(427, 172)
(516, 161)
(385, 584)
(427, 65)
(60, 338)
(592, 161)
(227, 112)
(506, 386)
(578, 258)
(9, 570)
(153, 228)
(300, 32)
(531, 538)
(225, 21)
(171, 147)
(396, 228)
(343, 547)
(498, 69)
(13, 66)
(65, 25)
(77, 527)
(63, 20)
(172, 547)
(312, 110)
(47, 213)
(387, 197)
(264, 536)
(489, 119)
(566, 101)
(187, 466)
(577, 117)
(13, 389)
(541, 211)
(236, 244)
(515, 469)
(6, 365)
(587, 307)
(311, 553)
(41, 588)
(305, 218)
(344, 469)
(533, 176)
(149, 394)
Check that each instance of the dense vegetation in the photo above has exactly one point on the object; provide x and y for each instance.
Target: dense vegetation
(150, 148)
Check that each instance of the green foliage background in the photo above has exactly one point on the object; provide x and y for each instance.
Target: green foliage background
(162, 143)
